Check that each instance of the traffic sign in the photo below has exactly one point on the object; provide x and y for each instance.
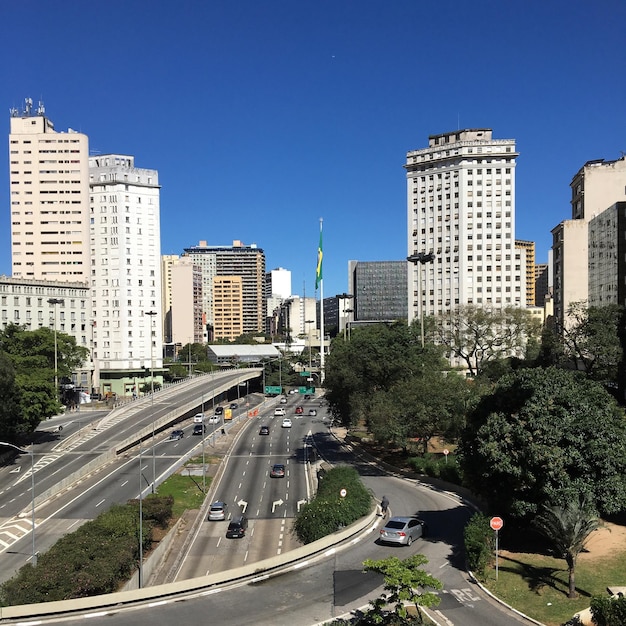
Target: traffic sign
(446, 452)
(496, 523)
(273, 390)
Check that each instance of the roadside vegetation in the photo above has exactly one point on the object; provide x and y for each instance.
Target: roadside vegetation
(537, 437)
(101, 555)
(341, 499)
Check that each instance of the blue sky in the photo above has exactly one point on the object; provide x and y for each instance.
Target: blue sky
(263, 117)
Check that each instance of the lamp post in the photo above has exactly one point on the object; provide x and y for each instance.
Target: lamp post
(344, 296)
(309, 339)
(419, 258)
(54, 302)
(32, 487)
(140, 573)
(348, 311)
(152, 314)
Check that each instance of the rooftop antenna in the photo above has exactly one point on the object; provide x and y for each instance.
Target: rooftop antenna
(41, 109)
(28, 105)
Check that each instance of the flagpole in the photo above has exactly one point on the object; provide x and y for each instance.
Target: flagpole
(320, 275)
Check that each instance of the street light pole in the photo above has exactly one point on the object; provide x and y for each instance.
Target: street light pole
(152, 314)
(344, 296)
(54, 302)
(32, 487)
(309, 339)
(418, 259)
(140, 577)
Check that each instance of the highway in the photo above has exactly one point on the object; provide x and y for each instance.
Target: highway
(327, 587)
(90, 437)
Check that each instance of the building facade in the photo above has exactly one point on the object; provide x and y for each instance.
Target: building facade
(528, 251)
(247, 262)
(461, 208)
(379, 290)
(607, 257)
(49, 191)
(125, 271)
(228, 307)
(186, 309)
(595, 187)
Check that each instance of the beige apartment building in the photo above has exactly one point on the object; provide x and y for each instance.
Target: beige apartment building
(528, 249)
(228, 307)
(596, 186)
(49, 190)
(186, 297)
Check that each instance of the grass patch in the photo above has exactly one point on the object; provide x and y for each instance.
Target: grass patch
(186, 491)
(537, 585)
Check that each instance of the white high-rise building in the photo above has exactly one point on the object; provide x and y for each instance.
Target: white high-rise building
(49, 189)
(461, 208)
(125, 271)
(278, 283)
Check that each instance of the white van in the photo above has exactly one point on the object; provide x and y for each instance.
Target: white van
(198, 418)
(279, 412)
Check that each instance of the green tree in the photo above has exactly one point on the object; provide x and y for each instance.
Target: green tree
(478, 335)
(404, 582)
(29, 381)
(546, 436)
(591, 339)
(568, 527)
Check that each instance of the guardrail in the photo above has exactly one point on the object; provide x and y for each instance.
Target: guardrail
(254, 572)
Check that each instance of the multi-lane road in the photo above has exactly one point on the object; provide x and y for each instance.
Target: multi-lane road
(325, 587)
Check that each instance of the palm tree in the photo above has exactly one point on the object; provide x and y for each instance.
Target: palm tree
(568, 527)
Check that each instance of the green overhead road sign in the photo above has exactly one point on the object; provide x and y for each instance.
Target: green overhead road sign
(272, 390)
(305, 374)
(304, 390)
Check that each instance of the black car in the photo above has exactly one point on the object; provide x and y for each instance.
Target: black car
(219, 410)
(237, 527)
(264, 430)
(199, 429)
(175, 435)
(233, 405)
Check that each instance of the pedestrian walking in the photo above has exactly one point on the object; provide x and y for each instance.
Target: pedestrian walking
(384, 505)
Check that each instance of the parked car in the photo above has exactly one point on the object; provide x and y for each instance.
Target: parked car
(264, 430)
(219, 410)
(199, 429)
(279, 411)
(237, 527)
(175, 435)
(218, 511)
(299, 410)
(277, 471)
(402, 530)
(312, 411)
(286, 423)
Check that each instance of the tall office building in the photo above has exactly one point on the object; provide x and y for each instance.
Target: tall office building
(595, 187)
(125, 270)
(228, 307)
(379, 290)
(247, 262)
(186, 310)
(278, 283)
(461, 208)
(49, 183)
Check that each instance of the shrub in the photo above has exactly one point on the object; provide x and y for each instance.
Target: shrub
(608, 611)
(434, 466)
(479, 543)
(328, 511)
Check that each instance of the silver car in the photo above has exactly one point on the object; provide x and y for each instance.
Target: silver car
(218, 511)
(402, 530)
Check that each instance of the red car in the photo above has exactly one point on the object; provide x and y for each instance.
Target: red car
(299, 410)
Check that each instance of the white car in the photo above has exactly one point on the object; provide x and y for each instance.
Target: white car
(214, 419)
(286, 423)
(279, 411)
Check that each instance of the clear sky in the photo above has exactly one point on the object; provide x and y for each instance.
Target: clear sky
(263, 117)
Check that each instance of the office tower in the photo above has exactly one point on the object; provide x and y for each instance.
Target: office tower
(607, 257)
(49, 190)
(595, 187)
(461, 208)
(125, 271)
(379, 290)
(528, 251)
(167, 262)
(247, 262)
(186, 310)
